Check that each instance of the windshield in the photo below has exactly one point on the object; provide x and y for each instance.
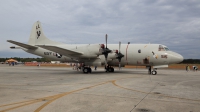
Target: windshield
(163, 48)
(166, 49)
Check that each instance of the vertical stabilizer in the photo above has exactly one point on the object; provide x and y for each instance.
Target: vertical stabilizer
(37, 36)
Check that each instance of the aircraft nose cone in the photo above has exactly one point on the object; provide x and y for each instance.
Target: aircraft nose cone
(176, 58)
(179, 58)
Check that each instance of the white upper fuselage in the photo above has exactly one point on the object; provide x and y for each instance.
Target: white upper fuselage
(134, 54)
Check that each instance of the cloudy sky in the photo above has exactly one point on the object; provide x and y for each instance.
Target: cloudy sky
(174, 23)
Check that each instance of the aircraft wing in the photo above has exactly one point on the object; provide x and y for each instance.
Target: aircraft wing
(60, 50)
(22, 44)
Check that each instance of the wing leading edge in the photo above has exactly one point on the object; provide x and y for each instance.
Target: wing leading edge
(60, 50)
(22, 44)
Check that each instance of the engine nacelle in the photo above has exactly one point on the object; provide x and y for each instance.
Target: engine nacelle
(112, 55)
(115, 62)
(95, 49)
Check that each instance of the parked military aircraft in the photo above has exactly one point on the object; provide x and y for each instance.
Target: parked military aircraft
(149, 55)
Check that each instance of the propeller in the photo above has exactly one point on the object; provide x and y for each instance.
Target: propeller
(119, 55)
(106, 50)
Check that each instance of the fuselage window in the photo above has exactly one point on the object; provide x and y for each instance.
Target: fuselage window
(139, 51)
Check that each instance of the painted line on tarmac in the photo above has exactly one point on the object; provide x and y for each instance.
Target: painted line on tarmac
(50, 99)
(67, 93)
(64, 94)
(25, 103)
(19, 106)
(114, 83)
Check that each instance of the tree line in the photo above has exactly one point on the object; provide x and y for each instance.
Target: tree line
(26, 59)
(191, 61)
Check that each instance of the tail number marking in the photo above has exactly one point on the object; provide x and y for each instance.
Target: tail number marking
(47, 53)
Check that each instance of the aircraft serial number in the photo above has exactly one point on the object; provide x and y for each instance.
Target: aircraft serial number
(163, 56)
(47, 53)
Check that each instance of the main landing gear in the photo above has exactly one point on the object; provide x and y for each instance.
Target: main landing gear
(87, 70)
(154, 72)
(109, 69)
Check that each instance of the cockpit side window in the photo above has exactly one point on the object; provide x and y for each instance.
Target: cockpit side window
(161, 48)
(166, 49)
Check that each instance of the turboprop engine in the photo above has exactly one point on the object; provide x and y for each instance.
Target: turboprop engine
(113, 55)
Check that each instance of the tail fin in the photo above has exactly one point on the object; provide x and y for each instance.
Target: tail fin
(37, 36)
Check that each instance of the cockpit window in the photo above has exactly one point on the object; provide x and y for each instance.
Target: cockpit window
(166, 49)
(163, 48)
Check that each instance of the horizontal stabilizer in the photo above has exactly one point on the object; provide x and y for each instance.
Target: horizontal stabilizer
(22, 44)
(62, 51)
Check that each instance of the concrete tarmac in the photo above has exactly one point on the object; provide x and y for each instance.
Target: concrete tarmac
(53, 89)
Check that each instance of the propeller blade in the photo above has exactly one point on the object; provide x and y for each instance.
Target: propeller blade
(119, 66)
(105, 61)
(119, 46)
(106, 56)
(106, 40)
(106, 50)
(120, 55)
(119, 63)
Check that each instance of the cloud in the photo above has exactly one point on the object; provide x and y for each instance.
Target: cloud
(175, 24)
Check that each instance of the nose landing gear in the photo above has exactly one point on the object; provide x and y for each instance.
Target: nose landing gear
(154, 72)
